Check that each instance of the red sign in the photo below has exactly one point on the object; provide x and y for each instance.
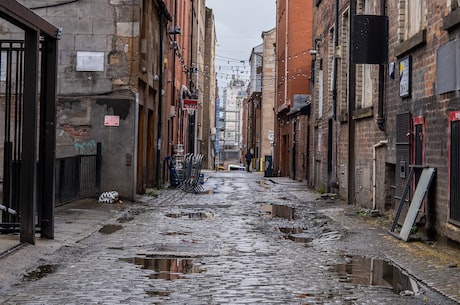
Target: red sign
(112, 120)
(190, 104)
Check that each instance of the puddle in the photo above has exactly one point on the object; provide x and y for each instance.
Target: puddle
(374, 272)
(159, 293)
(195, 215)
(282, 211)
(169, 269)
(296, 234)
(125, 218)
(109, 229)
(40, 272)
(175, 233)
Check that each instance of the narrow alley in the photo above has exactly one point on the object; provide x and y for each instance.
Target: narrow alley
(245, 240)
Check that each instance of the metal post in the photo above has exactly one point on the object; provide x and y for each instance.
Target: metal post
(47, 136)
(27, 196)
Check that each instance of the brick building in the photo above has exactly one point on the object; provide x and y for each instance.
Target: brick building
(293, 68)
(376, 120)
(133, 63)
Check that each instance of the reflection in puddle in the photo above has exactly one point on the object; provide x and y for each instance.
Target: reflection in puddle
(195, 215)
(374, 272)
(296, 234)
(159, 293)
(165, 268)
(282, 211)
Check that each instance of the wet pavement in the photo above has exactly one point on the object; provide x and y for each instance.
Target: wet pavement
(245, 240)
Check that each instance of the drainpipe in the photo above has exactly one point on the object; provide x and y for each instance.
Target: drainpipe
(160, 102)
(374, 180)
(336, 44)
(380, 118)
(330, 144)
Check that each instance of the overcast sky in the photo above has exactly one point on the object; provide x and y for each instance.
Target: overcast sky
(239, 25)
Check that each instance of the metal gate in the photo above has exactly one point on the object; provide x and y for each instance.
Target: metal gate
(28, 77)
(78, 177)
(11, 84)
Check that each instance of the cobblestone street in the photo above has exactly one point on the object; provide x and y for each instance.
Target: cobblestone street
(245, 240)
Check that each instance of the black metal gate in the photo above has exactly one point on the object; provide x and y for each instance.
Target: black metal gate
(11, 80)
(78, 177)
(28, 77)
(454, 211)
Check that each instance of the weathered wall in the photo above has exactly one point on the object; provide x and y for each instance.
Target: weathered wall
(80, 126)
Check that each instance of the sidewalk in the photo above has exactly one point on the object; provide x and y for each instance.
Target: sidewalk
(73, 222)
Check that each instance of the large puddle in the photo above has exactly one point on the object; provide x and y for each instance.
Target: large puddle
(375, 272)
(278, 210)
(164, 268)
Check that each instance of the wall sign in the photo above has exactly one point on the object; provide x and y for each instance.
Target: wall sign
(405, 77)
(90, 61)
(112, 120)
(190, 104)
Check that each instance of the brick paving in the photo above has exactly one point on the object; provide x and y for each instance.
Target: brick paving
(225, 246)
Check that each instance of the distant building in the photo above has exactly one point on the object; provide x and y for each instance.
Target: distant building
(259, 114)
(293, 83)
(231, 111)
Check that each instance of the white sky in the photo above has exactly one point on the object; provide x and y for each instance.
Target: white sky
(239, 25)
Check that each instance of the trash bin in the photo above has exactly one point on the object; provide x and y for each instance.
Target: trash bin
(268, 166)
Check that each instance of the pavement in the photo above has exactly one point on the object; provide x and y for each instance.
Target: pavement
(435, 265)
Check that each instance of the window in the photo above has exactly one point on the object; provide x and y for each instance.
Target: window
(364, 73)
(320, 93)
(452, 5)
(412, 17)
(343, 63)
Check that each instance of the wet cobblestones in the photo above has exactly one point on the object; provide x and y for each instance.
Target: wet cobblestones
(222, 247)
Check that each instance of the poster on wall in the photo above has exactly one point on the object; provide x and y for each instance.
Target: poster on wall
(405, 67)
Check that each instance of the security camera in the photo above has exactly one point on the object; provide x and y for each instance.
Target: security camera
(313, 52)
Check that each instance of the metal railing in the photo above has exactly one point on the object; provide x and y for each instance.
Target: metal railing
(77, 177)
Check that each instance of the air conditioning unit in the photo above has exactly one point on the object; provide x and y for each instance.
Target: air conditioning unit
(175, 30)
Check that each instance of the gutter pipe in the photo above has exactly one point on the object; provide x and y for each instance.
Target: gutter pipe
(380, 117)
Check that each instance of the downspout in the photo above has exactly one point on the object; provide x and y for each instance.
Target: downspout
(374, 170)
(191, 118)
(286, 55)
(336, 44)
(173, 81)
(330, 143)
(198, 139)
(160, 101)
(351, 121)
(380, 118)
